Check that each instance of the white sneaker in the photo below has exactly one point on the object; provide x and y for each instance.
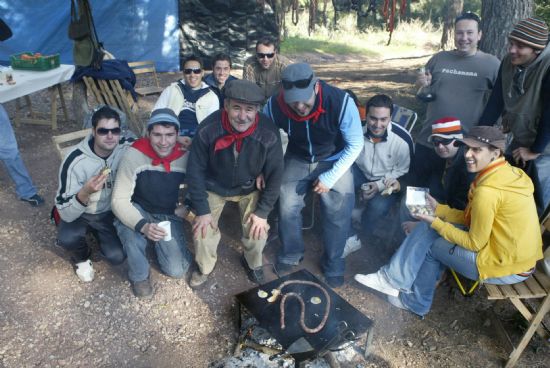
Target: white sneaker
(85, 271)
(377, 282)
(352, 244)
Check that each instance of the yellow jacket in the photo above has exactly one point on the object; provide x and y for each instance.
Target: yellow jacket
(504, 227)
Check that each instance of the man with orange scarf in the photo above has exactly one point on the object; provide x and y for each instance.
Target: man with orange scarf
(145, 194)
(324, 139)
(231, 149)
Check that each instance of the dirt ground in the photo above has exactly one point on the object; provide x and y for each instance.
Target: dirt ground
(50, 319)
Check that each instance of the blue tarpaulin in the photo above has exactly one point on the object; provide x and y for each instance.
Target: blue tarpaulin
(131, 30)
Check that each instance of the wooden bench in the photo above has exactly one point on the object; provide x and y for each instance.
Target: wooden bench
(143, 67)
(535, 287)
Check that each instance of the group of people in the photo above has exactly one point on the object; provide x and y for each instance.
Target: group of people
(221, 136)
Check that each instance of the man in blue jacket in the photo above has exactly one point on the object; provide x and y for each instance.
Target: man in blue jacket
(324, 139)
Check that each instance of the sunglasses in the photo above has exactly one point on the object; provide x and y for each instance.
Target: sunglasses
(191, 70)
(444, 141)
(261, 55)
(105, 131)
(300, 83)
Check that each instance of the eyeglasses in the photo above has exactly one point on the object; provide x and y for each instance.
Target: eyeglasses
(192, 70)
(261, 55)
(444, 141)
(300, 83)
(105, 131)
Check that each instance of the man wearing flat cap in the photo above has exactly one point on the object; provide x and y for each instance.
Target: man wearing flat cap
(231, 149)
(522, 97)
(324, 139)
(146, 194)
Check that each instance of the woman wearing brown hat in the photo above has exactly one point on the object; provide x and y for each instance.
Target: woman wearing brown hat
(496, 239)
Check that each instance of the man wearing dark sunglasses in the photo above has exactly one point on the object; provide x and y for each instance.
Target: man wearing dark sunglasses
(447, 179)
(265, 67)
(190, 98)
(83, 199)
(324, 139)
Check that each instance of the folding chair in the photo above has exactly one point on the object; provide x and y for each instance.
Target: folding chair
(64, 142)
(110, 92)
(535, 287)
(143, 67)
(404, 117)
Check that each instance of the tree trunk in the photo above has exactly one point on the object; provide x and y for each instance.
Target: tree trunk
(498, 17)
(454, 9)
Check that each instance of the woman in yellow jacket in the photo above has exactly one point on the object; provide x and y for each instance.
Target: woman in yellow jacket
(495, 239)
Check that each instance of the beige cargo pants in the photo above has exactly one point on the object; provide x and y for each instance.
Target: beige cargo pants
(206, 248)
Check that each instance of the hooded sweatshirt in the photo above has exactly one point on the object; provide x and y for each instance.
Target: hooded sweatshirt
(77, 168)
(504, 227)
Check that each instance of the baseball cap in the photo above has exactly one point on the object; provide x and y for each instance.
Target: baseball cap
(298, 81)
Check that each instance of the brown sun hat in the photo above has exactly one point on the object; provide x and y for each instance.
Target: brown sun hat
(484, 136)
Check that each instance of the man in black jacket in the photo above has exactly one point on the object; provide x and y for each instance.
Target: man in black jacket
(231, 149)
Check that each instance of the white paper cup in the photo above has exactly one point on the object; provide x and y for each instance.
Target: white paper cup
(166, 226)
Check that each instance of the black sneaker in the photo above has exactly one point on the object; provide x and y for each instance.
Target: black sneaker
(334, 281)
(285, 268)
(255, 275)
(35, 200)
(142, 289)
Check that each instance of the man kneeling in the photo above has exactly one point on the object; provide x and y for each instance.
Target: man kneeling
(146, 193)
(231, 149)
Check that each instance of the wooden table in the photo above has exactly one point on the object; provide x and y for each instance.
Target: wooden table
(28, 82)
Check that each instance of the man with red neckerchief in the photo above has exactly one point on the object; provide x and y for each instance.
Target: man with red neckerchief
(324, 139)
(146, 193)
(231, 149)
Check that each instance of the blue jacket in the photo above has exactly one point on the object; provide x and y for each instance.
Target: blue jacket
(336, 136)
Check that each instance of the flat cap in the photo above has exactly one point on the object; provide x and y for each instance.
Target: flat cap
(244, 91)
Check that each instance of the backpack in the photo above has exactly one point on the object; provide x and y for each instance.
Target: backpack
(87, 50)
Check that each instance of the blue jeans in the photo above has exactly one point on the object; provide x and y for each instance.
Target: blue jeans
(173, 256)
(72, 236)
(375, 208)
(421, 259)
(9, 154)
(543, 171)
(336, 206)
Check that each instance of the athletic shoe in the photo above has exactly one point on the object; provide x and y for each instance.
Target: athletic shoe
(377, 282)
(85, 271)
(35, 200)
(353, 244)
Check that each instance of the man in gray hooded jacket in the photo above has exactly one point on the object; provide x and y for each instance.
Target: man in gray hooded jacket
(83, 199)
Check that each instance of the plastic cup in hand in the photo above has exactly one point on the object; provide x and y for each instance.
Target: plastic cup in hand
(166, 226)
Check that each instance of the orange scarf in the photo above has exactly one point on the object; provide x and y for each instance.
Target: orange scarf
(482, 175)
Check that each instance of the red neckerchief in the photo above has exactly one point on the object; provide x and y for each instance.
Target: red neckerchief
(479, 177)
(314, 116)
(232, 136)
(143, 145)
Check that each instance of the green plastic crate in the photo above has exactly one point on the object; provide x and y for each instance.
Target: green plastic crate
(39, 64)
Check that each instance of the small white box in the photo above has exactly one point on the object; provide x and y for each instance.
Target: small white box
(416, 201)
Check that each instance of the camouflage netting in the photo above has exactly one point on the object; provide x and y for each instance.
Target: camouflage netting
(233, 27)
